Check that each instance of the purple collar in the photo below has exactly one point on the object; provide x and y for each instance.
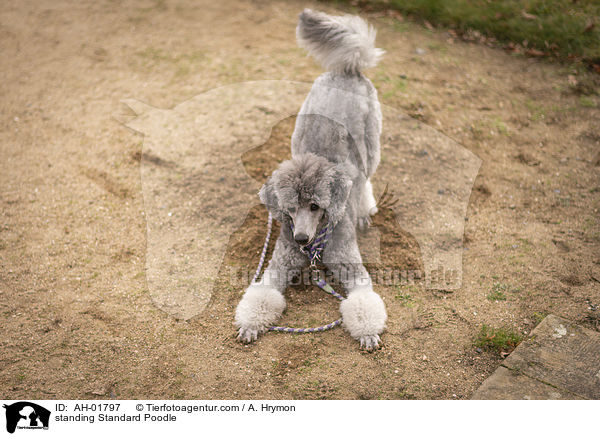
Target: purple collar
(314, 250)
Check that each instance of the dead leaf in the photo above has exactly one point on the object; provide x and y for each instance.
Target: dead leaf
(395, 14)
(528, 16)
(572, 80)
(534, 52)
(590, 25)
(429, 25)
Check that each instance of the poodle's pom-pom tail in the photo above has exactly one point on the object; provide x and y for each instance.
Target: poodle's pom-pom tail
(342, 44)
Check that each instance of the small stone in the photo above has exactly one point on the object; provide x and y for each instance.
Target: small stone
(478, 350)
(420, 51)
(441, 191)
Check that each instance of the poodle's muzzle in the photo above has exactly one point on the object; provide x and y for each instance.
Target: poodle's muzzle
(305, 223)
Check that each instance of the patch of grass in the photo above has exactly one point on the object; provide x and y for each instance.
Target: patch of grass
(538, 317)
(538, 112)
(437, 47)
(183, 63)
(496, 295)
(501, 339)
(500, 126)
(499, 291)
(562, 28)
(390, 86)
(526, 244)
(405, 299)
(587, 101)
(157, 6)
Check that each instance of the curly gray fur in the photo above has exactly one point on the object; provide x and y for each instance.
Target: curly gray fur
(335, 150)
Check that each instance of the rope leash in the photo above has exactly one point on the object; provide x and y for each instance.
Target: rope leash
(314, 251)
(265, 248)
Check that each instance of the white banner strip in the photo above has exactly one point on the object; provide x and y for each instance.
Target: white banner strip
(159, 417)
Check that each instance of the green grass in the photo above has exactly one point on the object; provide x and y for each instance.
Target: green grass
(501, 339)
(587, 101)
(499, 291)
(405, 299)
(561, 28)
(496, 295)
(538, 317)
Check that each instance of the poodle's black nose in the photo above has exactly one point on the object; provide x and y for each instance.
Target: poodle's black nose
(301, 238)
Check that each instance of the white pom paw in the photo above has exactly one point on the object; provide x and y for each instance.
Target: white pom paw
(370, 343)
(258, 309)
(364, 316)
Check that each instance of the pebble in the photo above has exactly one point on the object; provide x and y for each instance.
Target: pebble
(420, 51)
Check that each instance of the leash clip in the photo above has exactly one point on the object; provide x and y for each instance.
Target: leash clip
(313, 264)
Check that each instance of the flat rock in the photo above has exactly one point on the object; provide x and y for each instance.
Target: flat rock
(559, 360)
(506, 384)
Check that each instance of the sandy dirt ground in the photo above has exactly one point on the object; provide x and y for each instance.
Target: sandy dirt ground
(77, 318)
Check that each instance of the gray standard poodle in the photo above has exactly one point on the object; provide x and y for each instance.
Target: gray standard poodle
(325, 187)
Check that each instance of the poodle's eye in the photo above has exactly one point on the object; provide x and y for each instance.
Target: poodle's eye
(314, 207)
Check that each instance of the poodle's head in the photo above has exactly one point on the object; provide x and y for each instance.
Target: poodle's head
(308, 190)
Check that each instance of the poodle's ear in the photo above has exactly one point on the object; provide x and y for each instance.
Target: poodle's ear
(340, 186)
(268, 197)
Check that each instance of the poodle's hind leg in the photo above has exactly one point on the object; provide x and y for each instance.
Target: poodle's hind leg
(367, 206)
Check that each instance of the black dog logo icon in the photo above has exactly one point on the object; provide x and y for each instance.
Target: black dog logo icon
(28, 415)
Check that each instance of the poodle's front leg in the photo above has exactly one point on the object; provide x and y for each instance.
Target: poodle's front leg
(261, 305)
(363, 312)
(263, 302)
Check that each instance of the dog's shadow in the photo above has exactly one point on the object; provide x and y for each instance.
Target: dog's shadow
(397, 256)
